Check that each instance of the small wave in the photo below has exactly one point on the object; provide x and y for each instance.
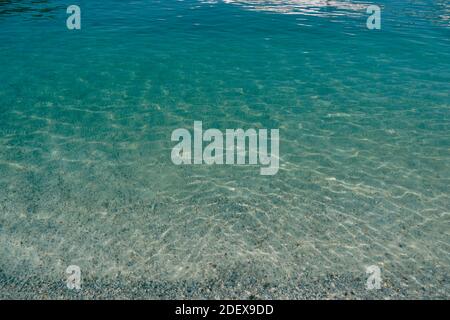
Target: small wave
(303, 7)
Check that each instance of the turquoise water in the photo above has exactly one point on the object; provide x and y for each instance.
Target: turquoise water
(85, 171)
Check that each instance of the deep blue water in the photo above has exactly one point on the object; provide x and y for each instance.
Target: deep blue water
(85, 171)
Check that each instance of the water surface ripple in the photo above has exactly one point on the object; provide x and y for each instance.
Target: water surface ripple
(86, 177)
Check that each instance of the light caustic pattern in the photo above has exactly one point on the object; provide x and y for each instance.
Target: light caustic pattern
(86, 177)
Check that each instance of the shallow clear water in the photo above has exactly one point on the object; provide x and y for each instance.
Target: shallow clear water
(85, 171)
